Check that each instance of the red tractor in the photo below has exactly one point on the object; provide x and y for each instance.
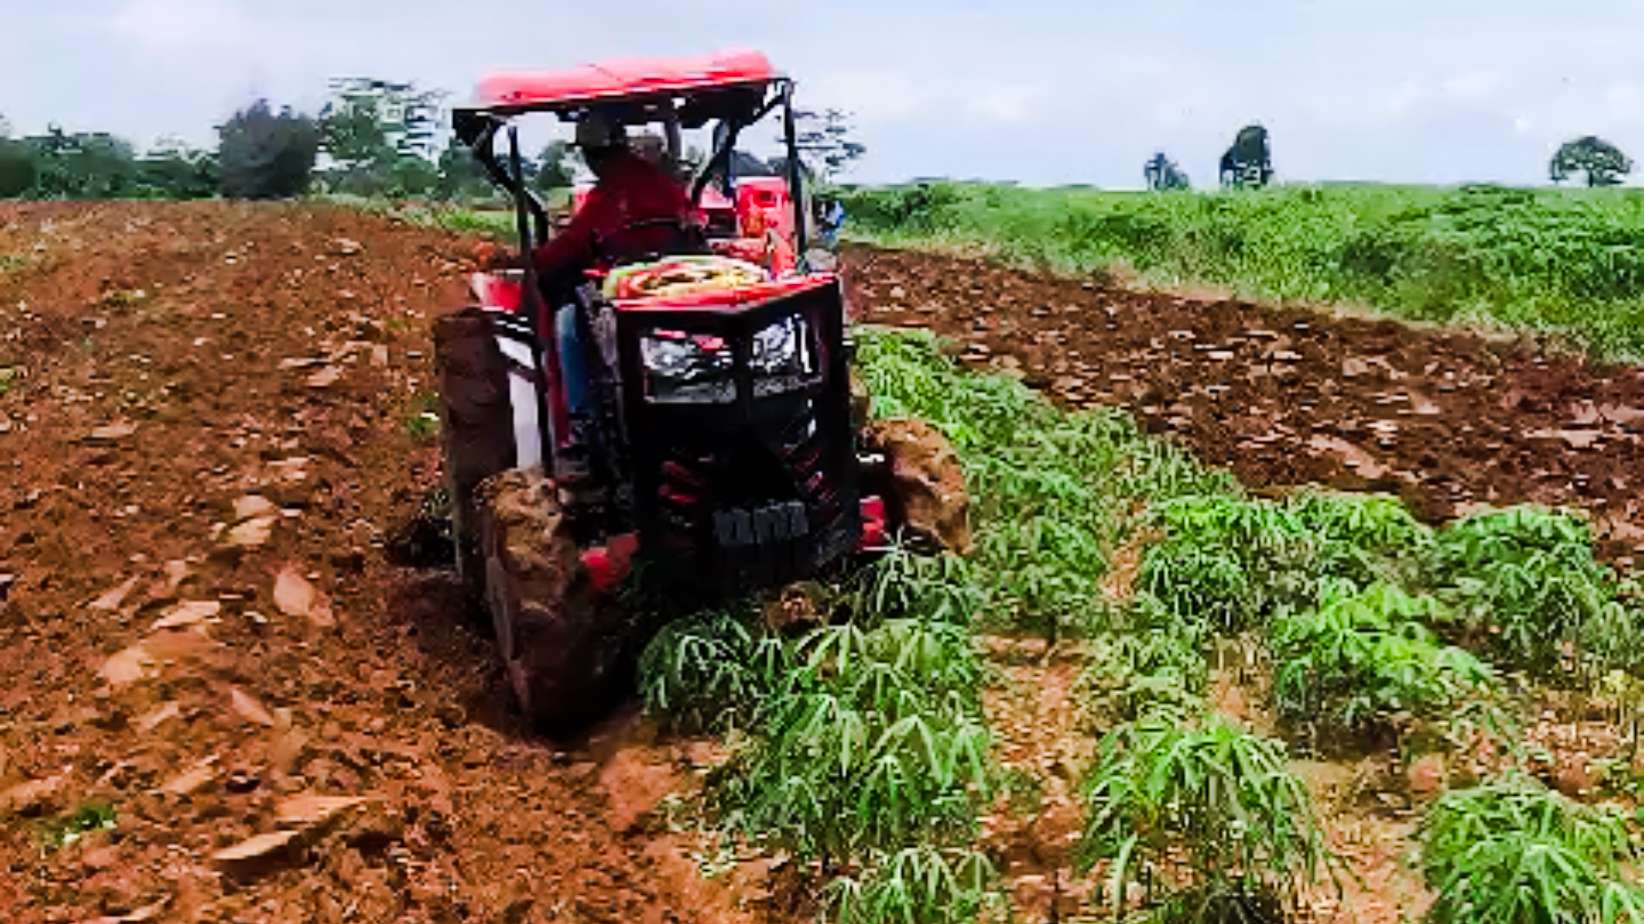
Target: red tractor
(723, 450)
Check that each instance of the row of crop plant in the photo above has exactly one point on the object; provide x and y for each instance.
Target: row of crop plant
(861, 746)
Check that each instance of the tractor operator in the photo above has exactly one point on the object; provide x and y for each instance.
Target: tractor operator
(636, 205)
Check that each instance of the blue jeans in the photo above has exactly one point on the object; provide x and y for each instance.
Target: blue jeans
(573, 361)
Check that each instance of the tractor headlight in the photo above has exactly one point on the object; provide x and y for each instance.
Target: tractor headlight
(685, 368)
(782, 357)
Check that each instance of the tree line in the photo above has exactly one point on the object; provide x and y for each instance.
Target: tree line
(374, 138)
(1248, 162)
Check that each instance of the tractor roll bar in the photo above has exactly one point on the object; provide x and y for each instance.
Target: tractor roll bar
(541, 321)
(796, 182)
(477, 127)
(512, 182)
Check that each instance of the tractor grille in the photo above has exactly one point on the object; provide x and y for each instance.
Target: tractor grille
(758, 511)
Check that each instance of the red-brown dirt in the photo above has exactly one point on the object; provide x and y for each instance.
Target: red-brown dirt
(209, 401)
(1287, 396)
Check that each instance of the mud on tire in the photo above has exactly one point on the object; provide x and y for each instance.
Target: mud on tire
(476, 433)
(564, 646)
(924, 483)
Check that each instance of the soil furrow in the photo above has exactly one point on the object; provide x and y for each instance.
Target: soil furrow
(1286, 396)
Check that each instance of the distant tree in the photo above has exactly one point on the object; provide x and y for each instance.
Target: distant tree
(1249, 160)
(17, 168)
(267, 156)
(173, 169)
(554, 169)
(379, 137)
(460, 173)
(82, 165)
(1602, 162)
(352, 135)
(826, 140)
(407, 117)
(97, 165)
(1162, 173)
(18, 171)
(412, 176)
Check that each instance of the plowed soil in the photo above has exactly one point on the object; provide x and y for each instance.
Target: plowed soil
(205, 398)
(1288, 396)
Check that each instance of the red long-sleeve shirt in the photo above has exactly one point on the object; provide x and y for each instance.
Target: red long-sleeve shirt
(630, 189)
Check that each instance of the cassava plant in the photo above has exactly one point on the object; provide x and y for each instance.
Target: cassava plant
(1226, 561)
(1198, 821)
(1514, 852)
(712, 671)
(1236, 562)
(1365, 662)
(875, 743)
(1363, 538)
(1154, 666)
(1526, 586)
(900, 583)
(919, 885)
(1051, 491)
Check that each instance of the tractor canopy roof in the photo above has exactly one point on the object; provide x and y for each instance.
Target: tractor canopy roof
(729, 84)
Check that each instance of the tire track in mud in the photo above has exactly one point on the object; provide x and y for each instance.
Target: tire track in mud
(211, 401)
(1286, 396)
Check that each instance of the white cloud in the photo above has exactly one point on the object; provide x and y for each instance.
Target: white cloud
(1523, 125)
(177, 25)
(1008, 102)
(1471, 85)
(1406, 96)
(1625, 100)
(870, 95)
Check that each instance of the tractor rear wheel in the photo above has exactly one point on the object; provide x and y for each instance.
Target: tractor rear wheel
(476, 424)
(564, 645)
(923, 481)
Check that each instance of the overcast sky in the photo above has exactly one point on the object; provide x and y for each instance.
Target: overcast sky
(1036, 91)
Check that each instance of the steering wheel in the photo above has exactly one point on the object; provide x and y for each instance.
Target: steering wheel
(688, 238)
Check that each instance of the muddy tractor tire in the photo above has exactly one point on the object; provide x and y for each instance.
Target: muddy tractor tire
(923, 482)
(565, 646)
(475, 425)
(861, 402)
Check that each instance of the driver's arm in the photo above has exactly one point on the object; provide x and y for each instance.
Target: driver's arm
(573, 246)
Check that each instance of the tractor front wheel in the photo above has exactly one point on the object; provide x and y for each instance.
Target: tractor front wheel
(564, 645)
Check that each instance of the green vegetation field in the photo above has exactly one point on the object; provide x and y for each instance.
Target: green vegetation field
(1565, 261)
(862, 747)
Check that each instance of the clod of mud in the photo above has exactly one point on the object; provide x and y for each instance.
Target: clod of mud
(259, 854)
(311, 810)
(190, 613)
(251, 534)
(927, 483)
(249, 708)
(191, 779)
(35, 796)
